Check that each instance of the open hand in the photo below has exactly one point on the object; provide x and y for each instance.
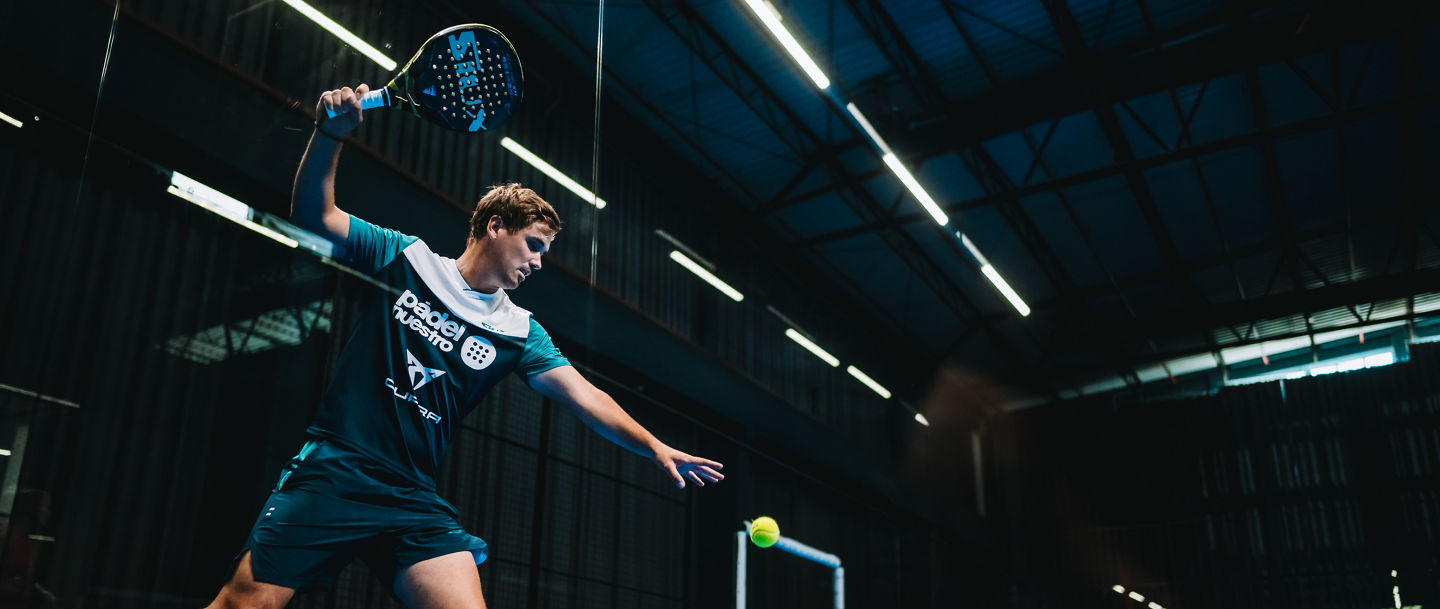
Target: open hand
(682, 466)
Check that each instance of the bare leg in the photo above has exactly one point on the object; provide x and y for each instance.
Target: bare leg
(443, 582)
(243, 592)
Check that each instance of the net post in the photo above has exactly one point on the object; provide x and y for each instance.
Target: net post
(740, 539)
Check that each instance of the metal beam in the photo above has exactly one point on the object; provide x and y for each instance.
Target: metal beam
(1178, 321)
(1202, 50)
(700, 37)
(1182, 154)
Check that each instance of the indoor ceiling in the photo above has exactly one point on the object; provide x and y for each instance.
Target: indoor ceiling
(1156, 179)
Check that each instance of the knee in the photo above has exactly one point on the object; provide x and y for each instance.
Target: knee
(248, 595)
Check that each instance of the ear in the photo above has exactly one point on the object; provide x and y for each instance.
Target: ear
(494, 226)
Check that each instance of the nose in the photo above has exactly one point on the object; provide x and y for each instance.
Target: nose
(535, 263)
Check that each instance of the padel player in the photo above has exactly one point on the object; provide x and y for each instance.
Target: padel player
(419, 360)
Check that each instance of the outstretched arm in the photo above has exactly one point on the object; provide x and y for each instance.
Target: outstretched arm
(312, 202)
(599, 411)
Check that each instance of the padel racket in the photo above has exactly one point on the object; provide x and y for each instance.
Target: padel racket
(466, 78)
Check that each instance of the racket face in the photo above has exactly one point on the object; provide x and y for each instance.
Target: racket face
(467, 78)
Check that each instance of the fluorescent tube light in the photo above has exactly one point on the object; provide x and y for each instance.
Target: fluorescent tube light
(920, 195)
(1137, 596)
(343, 34)
(1119, 589)
(869, 382)
(1005, 289)
(10, 119)
(812, 347)
(555, 174)
(208, 197)
(974, 251)
(222, 205)
(771, 18)
(709, 278)
(4, 452)
(920, 418)
(869, 130)
(1154, 605)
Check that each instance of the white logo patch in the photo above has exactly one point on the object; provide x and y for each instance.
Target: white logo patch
(419, 374)
(477, 352)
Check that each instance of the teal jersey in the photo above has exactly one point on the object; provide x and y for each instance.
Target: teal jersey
(422, 355)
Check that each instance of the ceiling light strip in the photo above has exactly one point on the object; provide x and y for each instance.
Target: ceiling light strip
(869, 130)
(685, 248)
(343, 34)
(222, 205)
(10, 119)
(869, 382)
(931, 207)
(771, 18)
(555, 174)
(709, 278)
(1005, 290)
(812, 347)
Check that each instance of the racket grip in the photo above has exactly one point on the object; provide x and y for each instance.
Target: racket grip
(379, 98)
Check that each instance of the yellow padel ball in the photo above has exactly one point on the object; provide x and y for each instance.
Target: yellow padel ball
(764, 532)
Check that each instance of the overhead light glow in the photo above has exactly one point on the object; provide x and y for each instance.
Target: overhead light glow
(869, 130)
(1380, 359)
(555, 174)
(869, 382)
(812, 347)
(222, 205)
(1137, 596)
(1119, 589)
(920, 418)
(343, 34)
(920, 195)
(4, 452)
(10, 119)
(1005, 289)
(1154, 605)
(771, 18)
(970, 245)
(709, 278)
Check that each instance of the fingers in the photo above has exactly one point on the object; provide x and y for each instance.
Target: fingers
(697, 470)
(710, 474)
(675, 475)
(342, 102)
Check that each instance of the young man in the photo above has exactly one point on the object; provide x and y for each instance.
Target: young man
(419, 360)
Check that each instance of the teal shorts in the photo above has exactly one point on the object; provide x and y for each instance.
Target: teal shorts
(333, 505)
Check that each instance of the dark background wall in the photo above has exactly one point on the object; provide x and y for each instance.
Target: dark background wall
(1306, 493)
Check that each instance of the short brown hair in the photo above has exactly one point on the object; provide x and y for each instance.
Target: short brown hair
(517, 206)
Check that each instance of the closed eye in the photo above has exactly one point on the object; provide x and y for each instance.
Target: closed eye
(536, 245)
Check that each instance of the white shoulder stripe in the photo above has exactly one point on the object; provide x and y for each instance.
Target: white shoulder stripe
(493, 312)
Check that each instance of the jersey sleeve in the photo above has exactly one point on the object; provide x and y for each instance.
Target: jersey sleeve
(369, 248)
(540, 353)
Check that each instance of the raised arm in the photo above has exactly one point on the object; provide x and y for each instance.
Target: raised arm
(312, 202)
(599, 411)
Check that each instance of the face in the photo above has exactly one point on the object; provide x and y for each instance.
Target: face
(516, 254)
